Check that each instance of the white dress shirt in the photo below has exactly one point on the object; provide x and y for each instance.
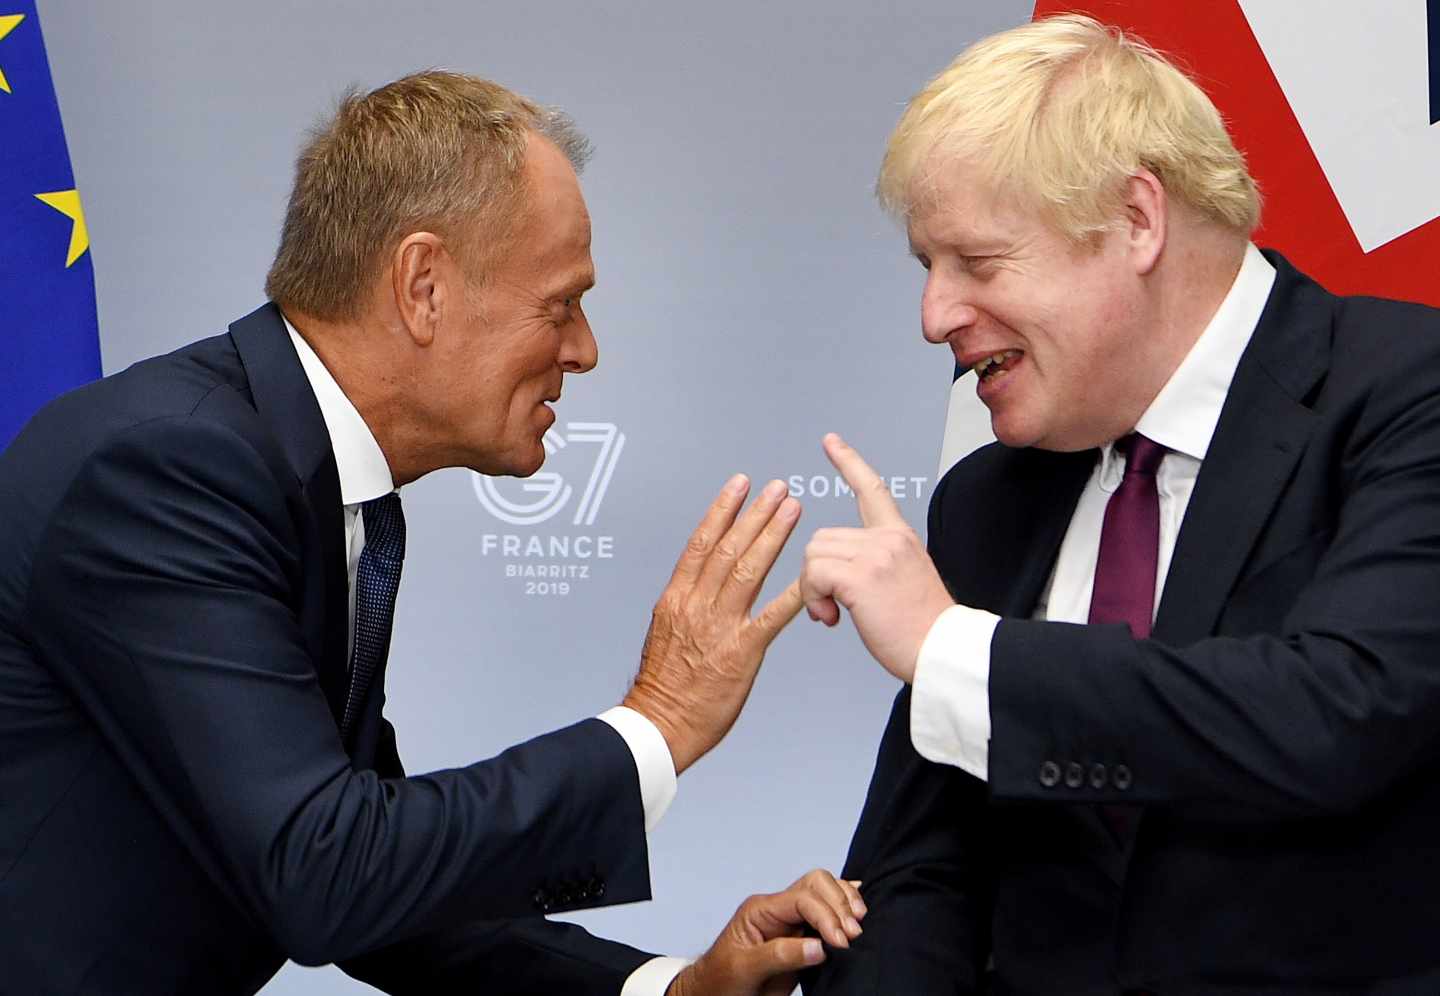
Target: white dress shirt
(365, 474)
(950, 704)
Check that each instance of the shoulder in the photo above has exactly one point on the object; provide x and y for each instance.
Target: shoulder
(1368, 339)
(1384, 371)
(174, 384)
(1387, 336)
(174, 426)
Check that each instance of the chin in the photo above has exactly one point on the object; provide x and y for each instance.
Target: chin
(520, 462)
(1014, 434)
(1033, 437)
(1013, 429)
(530, 463)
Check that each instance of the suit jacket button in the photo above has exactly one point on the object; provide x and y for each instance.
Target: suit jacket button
(597, 887)
(1049, 774)
(1122, 777)
(1074, 775)
(1099, 777)
(542, 900)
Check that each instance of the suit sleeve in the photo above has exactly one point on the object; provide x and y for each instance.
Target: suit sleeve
(162, 595)
(920, 851)
(530, 957)
(1325, 712)
(519, 957)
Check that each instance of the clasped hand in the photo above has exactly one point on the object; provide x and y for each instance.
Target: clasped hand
(762, 948)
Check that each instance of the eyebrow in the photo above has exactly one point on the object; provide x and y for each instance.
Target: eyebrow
(573, 286)
(967, 246)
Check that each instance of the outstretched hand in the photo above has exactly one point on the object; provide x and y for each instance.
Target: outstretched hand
(704, 649)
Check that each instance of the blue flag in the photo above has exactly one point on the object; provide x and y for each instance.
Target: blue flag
(49, 334)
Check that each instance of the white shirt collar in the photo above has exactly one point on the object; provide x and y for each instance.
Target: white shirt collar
(364, 472)
(1184, 414)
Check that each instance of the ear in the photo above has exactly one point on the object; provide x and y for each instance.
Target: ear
(1147, 217)
(421, 275)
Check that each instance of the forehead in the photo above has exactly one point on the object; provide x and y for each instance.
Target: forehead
(553, 233)
(953, 203)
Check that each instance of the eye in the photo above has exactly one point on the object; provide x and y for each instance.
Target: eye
(923, 260)
(564, 309)
(978, 265)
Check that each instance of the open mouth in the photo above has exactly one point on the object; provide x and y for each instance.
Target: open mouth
(998, 365)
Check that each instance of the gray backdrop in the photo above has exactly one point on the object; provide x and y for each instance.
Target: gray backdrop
(751, 297)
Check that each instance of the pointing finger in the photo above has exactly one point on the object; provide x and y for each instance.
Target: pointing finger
(877, 508)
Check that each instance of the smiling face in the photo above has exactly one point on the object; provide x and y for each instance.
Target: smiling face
(1068, 323)
(508, 345)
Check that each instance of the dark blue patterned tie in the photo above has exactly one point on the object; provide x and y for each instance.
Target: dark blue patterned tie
(376, 581)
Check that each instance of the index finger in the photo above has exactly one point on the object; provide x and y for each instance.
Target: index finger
(877, 508)
(718, 518)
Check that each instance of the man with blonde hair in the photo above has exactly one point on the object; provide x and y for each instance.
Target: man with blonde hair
(197, 580)
(1171, 702)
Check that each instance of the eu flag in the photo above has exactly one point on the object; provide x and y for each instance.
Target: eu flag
(49, 335)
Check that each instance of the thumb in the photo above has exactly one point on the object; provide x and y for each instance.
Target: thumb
(787, 954)
(778, 612)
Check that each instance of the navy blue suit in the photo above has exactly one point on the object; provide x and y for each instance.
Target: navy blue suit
(178, 812)
(1281, 728)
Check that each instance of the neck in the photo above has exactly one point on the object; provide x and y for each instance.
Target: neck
(361, 356)
(1191, 281)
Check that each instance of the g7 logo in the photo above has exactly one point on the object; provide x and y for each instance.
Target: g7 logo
(550, 490)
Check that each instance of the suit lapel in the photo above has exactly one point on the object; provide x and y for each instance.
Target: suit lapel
(322, 493)
(1054, 486)
(285, 400)
(1264, 428)
(1005, 530)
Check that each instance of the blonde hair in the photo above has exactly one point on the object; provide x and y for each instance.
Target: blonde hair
(436, 151)
(1059, 113)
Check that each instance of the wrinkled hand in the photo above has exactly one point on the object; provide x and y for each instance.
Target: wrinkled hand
(881, 572)
(761, 949)
(703, 649)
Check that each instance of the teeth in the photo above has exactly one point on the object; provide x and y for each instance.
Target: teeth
(983, 366)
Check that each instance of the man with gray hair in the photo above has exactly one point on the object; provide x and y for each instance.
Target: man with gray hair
(197, 580)
(1171, 701)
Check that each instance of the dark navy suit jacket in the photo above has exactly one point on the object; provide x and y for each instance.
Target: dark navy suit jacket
(1281, 729)
(178, 812)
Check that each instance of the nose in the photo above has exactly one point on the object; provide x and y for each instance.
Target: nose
(944, 307)
(578, 352)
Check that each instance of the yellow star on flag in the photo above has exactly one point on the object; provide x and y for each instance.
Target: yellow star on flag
(7, 25)
(67, 202)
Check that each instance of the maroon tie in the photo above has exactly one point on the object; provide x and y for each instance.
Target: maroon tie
(1130, 541)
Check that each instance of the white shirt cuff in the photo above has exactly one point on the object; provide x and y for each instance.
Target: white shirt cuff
(653, 762)
(950, 698)
(653, 977)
